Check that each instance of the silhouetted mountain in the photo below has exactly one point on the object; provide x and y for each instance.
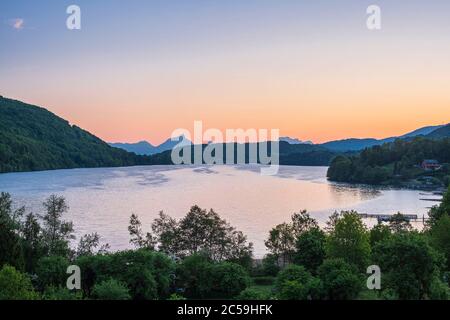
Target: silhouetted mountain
(169, 144)
(141, 147)
(442, 132)
(145, 148)
(361, 144)
(294, 140)
(351, 144)
(422, 131)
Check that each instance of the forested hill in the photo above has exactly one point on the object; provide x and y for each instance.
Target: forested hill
(32, 138)
(398, 162)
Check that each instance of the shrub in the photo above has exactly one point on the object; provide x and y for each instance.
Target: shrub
(252, 294)
(60, 293)
(227, 280)
(310, 249)
(296, 283)
(110, 290)
(51, 271)
(263, 281)
(15, 285)
(340, 280)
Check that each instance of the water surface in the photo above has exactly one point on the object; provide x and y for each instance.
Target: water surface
(102, 200)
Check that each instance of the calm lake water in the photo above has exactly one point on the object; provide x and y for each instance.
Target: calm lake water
(102, 200)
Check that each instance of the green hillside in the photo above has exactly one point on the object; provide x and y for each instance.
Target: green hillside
(32, 138)
(398, 162)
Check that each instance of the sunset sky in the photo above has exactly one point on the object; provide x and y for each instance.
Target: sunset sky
(139, 69)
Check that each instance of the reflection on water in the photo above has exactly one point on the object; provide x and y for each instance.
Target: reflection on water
(362, 192)
(102, 200)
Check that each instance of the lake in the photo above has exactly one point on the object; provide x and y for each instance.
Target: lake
(102, 200)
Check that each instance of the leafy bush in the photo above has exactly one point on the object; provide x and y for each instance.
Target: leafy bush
(110, 290)
(310, 249)
(410, 266)
(147, 274)
(60, 293)
(340, 280)
(296, 283)
(199, 277)
(252, 294)
(263, 281)
(227, 280)
(15, 285)
(51, 271)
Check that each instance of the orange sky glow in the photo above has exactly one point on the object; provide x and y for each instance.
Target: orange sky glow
(315, 74)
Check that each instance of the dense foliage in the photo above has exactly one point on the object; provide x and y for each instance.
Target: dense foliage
(394, 162)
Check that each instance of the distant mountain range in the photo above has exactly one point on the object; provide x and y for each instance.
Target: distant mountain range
(360, 144)
(345, 145)
(146, 148)
(294, 140)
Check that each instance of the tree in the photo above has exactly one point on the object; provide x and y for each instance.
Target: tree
(439, 235)
(340, 169)
(138, 239)
(61, 293)
(442, 210)
(94, 269)
(32, 242)
(302, 222)
(349, 240)
(399, 223)
(252, 294)
(10, 242)
(331, 222)
(226, 280)
(295, 283)
(340, 280)
(111, 290)
(57, 233)
(281, 242)
(310, 249)
(270, 265)
(409, 265)
(88, 243)
(167, 232)
(51, 271)
(147, 274)
(379, 233)
(201, 231)
(199, 277)
(193, 276)
(282, 238)
(15, 285)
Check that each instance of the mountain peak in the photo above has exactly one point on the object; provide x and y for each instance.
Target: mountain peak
(294, 140)
(146, 148)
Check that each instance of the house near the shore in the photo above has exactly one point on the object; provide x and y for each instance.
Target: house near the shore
(430, 164)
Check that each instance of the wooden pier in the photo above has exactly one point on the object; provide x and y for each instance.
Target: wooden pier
(388, 217)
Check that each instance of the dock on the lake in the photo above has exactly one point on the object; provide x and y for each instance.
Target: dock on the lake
(388, 217)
